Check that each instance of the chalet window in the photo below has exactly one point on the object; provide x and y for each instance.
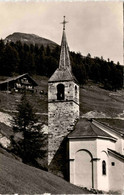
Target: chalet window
(103, 167)
(60, 92)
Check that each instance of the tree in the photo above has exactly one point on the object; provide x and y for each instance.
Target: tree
(95, 70)
(2, 66)
(31, 146)
(10, 60)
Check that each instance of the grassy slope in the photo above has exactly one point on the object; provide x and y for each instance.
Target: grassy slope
(92, 98)
(9, 102)
(16, 177)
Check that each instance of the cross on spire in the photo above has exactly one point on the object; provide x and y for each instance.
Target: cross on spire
(64, 22)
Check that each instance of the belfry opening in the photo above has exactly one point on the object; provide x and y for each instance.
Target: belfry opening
(60, 92)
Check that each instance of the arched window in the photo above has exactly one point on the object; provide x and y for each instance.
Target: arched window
(60, 92)
(75, 90)
(103, 167)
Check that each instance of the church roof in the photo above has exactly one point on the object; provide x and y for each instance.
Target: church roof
(63, 72)
(116, 153)
(114, 125)
(85, 128)
(64, 61)
(62, 75)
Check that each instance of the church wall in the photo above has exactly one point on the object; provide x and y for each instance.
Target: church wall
(119, 143)
(83, 168)
(70, 92)
(62, 114)
(76, 144)
(122, 145)
(84, 145)
(61, 119)
(116, 175)
(102, 154)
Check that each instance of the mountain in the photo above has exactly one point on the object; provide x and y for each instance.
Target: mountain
(30, 39)
(16, 177)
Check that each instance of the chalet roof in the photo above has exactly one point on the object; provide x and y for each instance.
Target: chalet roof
(63, 72)
(86, 129)
(18, 77)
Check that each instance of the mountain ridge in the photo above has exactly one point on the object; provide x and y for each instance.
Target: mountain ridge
(30, 39)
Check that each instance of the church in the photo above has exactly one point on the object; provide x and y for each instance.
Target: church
(85, 152)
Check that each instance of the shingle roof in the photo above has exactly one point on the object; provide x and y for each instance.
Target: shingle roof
(109, 125)
(64, 61)
(13, 78)
(63, 72)
(62, 75)
(116, 153)
(18, 77)
(85, 128)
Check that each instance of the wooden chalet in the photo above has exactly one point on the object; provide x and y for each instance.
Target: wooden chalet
(18, 83)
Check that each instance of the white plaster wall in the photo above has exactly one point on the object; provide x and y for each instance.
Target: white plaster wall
(122, 145)
(116, 176)
(118, 145)
(74, 147)
(103, 180)
(83, 169)
(87, 144)
(98, 149)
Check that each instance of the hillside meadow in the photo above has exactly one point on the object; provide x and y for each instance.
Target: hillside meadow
(94, 101)
(16, 177)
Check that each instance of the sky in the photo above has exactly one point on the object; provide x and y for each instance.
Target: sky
(93, 27)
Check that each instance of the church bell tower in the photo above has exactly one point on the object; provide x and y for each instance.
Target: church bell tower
(63, 102)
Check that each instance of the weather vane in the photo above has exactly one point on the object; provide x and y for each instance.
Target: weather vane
(64, 22)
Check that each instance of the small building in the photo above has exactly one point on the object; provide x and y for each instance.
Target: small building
(96, 156)
(18, 83)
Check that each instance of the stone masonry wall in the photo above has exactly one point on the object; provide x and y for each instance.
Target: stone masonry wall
(61, 119)
(70, 92)
(62, 115)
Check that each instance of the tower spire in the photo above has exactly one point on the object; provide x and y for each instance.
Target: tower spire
(64, 62)
(64, 71)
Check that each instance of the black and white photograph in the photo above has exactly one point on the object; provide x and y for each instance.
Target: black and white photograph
(61, 97)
